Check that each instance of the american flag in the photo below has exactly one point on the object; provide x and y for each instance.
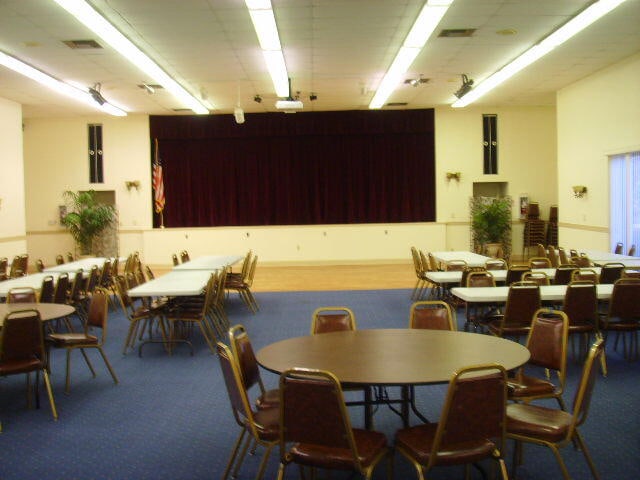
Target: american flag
(158, 182)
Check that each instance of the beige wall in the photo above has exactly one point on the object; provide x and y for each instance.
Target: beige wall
(526, 163)
(12, 197)
(58, 146)
(597, 117)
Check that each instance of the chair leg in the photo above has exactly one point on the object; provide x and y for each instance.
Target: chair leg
(106, 362)
(234, 454)
(52, 402)
(563, 467)
(88, 362)
(263, 462)
(243, 453)
(587, 455)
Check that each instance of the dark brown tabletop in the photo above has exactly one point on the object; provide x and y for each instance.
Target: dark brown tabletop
(392, 356)
(48, 311)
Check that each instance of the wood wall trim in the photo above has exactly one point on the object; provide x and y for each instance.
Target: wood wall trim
(588, 228)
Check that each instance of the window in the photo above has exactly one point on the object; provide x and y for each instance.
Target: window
(624, 174)
(95, 154)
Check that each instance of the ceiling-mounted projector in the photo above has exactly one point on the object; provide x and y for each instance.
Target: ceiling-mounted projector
(290, 104)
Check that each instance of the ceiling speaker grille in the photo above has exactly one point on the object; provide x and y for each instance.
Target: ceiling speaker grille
(457, 32)
(82, 44)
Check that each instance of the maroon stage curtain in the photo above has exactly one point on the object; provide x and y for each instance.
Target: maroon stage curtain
(307, 168)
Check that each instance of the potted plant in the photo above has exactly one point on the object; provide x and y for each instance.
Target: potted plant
(86, 218)
(491, 223)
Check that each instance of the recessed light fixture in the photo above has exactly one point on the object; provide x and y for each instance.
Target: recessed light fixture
(507, 31)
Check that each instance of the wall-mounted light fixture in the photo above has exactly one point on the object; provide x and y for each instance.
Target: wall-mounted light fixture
(579, 191)
(132, 184)
(453, 176)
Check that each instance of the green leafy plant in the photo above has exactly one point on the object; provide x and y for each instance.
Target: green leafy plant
(86, 218)
(491, 221)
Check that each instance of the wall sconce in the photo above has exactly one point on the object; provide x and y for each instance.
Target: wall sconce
(579, 191)
(132, 184)
(453, 176)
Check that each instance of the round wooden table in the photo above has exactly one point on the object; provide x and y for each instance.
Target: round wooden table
(388, 357)
(48, 311)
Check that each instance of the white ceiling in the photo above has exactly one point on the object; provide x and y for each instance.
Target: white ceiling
(337, 49)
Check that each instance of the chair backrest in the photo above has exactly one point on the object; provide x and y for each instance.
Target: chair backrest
(184, 256)
(466, 271)
(564, 258)
(455, 265)
(16, 267)
(618, 248)
(632, 251)
(62, 289)
(122, 289)
(22, 295)
(417, 263)
(611, 272)
(539, 278)
(94, 278)
(624, 302)
(98, 311)
(47, 290)
(105, 274)
(582, 399)
(70, 257)
(522, 302)
(77, 285)
(473, 389)
(149, 272)
(245, 357)
(547, 341)
(431, 315)
(39, 265)
(552, 255)
(630, 272)
(175, 260)
(59, 259)
(563, 274)
(582, 261)
(539, 262)
(480, 279)
(515, 272)
(21, 339)
(307, 395)
(585, 275)
(248, 281)
(581, 303)
(495, 264)
(115, 265)
(433, 263)
(238, 397)
(332, 319)
(424, 261)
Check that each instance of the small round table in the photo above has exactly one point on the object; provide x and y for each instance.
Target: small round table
(392, 357)
(48, 311)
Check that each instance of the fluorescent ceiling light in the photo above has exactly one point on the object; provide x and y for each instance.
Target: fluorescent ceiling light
(416, 39)
(264, 23)
(86, 14)
(79, 94)
(561, 35)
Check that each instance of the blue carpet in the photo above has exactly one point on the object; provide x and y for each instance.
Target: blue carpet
(169, 417)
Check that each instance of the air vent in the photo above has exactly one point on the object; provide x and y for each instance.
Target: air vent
(457, 32)
(181, 109)
(82, 44)
(397, 104)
